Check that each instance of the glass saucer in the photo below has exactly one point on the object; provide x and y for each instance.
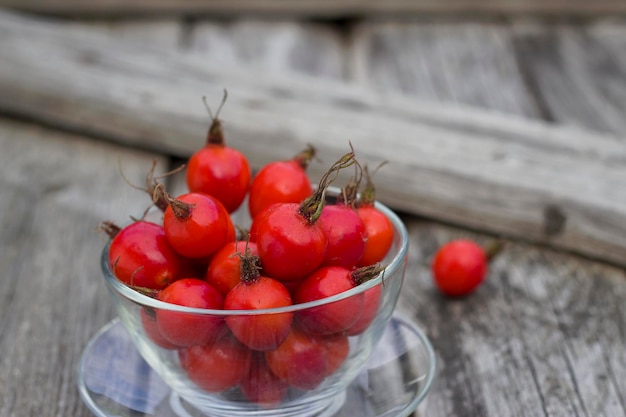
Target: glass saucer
(115, 381)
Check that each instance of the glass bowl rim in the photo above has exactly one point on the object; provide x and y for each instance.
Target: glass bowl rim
(397, 262)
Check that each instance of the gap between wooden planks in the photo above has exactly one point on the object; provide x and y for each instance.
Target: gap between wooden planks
(501, 174)
(321, 8)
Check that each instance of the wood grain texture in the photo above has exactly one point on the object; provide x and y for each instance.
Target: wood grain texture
(271, 46)
(543, 336)
(55, 189)
(321, 8)
(168, 34)
(507, 175)
(471, 63)
(578, 73)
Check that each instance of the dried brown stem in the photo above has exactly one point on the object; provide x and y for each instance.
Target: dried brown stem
(110, 228)
(311, 207)
(305, 157)
(366, 273)
(215, 135)
(181, 210)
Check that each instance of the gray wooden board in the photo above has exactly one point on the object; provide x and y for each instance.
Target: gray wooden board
(270, 46)
(543, 336)
(471, 63)
(578, 73)
(508, 175)
(54, 190)
(162, 33)
(321, 8)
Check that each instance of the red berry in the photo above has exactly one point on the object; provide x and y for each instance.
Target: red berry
(141, 256)
(301, 360)
(220, 171)
(256, 292)
(281, 182)
(217, 366)
(290, 246)
(371, 303)
(149, 323)
(197, 225)
(337, 350)
(224, 271)
(260, 385)
(187, 329)
(217, 169)
(346, 235)
(338, 316)
(259, 331)
(378, 228)
(379, 235)
(459, 267)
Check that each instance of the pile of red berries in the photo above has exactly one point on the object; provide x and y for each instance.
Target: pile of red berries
(302, 246)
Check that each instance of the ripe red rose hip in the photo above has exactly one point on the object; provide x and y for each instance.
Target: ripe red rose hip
(141, 256)
(372, 299)
(219, 170)
(281, 182)
(301, 360)
(196, 225)
(346, 235)
(187, 329)
(260, 385)
(338, 316)
(149, 323)
(256, 292)
(224, 271)
(459, 267)
(378, 228)
(217, 366)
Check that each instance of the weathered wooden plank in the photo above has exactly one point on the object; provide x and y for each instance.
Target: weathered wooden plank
(461, 62)
(578, 72)
(539, 182)
(270, 46)
(539, 338)
(55, 190)
(162, 33)
(321, 8)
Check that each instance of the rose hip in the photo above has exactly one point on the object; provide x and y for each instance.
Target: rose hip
(337, 351)
(149, 323)
(346, 235)
(217, 366)
(188, 329)
(217, 169)
(196, 225)
(256, 292)
(260, 385)
(301, 360)
(141, 256)
(371, 303)
(224, 271)
(281, 182)
(378, 228)
(459, 267)
(338, 316)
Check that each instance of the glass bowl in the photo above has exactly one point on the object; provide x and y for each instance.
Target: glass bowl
(222, 378)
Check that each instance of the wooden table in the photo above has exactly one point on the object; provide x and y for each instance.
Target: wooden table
(504, 125)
